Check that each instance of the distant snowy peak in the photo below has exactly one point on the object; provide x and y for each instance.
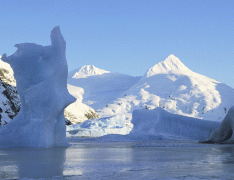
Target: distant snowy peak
(88, 70)
(170, 64)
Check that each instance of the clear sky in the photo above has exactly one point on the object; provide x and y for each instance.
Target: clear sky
(128, 36)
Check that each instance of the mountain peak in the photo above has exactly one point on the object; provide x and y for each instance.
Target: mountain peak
(171, 63)
(88, 70)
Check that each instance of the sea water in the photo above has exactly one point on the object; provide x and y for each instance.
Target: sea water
(90, 159)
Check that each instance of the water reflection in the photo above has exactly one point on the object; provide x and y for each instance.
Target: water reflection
(93, 159)
(97, 160)
(227, 154)
(32, 163)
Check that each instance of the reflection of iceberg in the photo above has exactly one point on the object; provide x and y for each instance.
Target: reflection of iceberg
(32, 163)
(41, 77)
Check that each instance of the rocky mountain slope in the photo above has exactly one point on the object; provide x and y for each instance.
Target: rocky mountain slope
(6, 73)
(9, 99)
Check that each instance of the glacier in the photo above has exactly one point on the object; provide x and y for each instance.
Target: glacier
(99, 127)
(41, 77)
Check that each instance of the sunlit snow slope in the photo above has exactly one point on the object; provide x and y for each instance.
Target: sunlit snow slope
(100, 86)
(78, 112)
(172, 86)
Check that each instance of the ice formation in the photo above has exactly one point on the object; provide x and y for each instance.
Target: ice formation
(41, 76)
(164, 125)
(223, 134)
(99, 127)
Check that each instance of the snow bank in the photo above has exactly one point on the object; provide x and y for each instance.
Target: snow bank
(99, 127)
(161, 124)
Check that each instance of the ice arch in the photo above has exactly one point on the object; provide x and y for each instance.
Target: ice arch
(41, 76)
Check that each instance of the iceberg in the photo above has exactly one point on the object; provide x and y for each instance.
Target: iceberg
(224, 133)
(160, 124)
(41, 77)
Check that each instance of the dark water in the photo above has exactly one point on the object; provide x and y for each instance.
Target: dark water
(120, 160)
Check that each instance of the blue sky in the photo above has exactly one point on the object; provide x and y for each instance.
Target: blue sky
(128, 36)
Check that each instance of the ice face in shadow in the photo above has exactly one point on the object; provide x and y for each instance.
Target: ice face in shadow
(224, 133)
(41, 77)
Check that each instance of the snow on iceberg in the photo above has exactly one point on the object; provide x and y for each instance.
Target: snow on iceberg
(160, 123)
(99, 127)
(41, 76)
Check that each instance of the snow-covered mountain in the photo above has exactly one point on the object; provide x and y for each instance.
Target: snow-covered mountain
(100, 89)
(172, 86)
(10, 102)
(9, 99)
(86, 71)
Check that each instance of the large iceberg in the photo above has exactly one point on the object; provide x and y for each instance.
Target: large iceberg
(41, 76)
(160, 124)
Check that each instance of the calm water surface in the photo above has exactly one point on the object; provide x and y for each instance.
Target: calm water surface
(120, 160)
